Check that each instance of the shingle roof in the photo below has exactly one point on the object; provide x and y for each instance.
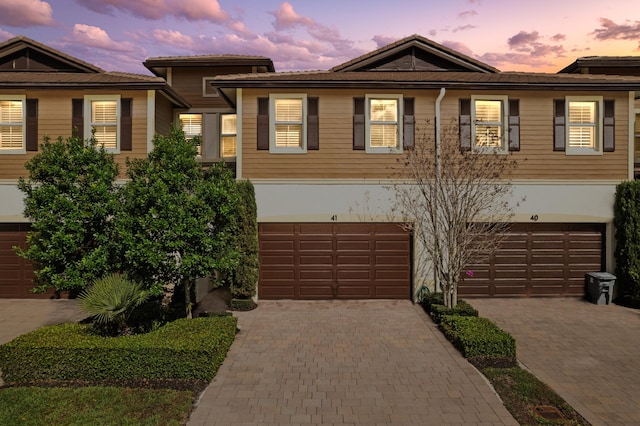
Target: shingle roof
(421, 42)
(210, 60)
(428, 79)
(602, 62)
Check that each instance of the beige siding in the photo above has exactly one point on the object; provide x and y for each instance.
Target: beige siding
(337, 160)
(54, 120)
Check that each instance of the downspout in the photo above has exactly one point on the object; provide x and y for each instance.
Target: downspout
(436, 281)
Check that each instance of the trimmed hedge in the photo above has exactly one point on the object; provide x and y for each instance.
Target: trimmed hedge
(438, 311)
(626, 220)
(478, 337)
(183, 349)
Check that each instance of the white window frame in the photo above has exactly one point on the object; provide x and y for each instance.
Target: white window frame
(399, 123)
(504, 139)
(88, 124)
(222, 134)
(599, 119)
(23, 149)
(302, 149)
(189, 136)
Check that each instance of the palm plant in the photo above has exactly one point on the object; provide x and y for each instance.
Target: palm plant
(111, 300)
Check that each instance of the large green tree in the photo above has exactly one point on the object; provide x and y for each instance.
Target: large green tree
(176, 222)
(69, 198)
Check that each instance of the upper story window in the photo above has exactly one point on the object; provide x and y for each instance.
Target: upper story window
(488, 117)
(383, 130)
(12, 125)
(192, 127)
(583, 125)
(287, 123)
(228, 134)
(103, 115)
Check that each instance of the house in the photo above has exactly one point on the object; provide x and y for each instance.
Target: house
(308, 142)
(320, 161)
(44, 92)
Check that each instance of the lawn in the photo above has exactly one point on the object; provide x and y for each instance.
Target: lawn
(94, 405)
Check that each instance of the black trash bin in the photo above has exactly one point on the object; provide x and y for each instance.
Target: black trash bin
(600, 287)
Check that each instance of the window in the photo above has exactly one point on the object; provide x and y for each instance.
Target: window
(489, 115)
(583, 125)
(287, 124)
(12, 125)
(192, 127)
(383, 129)
(228, 135)
(103, 113)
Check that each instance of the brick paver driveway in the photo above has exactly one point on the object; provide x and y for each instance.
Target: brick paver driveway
(589, 354)
(345, 362)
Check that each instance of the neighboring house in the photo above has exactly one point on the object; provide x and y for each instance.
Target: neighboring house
(322, 147)
(44, 92)
(613, 65)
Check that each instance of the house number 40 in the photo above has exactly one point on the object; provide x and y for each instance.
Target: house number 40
(534, 218)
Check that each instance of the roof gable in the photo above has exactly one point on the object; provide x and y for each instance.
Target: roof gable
(414, 53)
(23, 54)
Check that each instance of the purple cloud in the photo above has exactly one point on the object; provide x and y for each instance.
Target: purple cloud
(383, 40)
(191, 10)
(458, 47)
(463, 28)
(523, 40)
(467, 13)
(26, 13)
(609, 30)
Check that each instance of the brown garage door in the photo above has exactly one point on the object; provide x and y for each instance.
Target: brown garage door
(16, 273)
(334, 260)
(539, 260)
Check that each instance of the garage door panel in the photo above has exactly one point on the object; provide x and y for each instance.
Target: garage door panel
(539, 259)
(339, 260)
(16, 273)
(316, 260)
(357, 245)
(276, 245)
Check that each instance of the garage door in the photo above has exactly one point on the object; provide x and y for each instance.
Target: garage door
(16, 273)
(334, 260)
(539, 260)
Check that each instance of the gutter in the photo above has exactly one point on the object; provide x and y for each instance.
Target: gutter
(443, 91)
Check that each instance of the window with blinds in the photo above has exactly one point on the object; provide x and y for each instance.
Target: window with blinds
(192, 127)
(582, 124)
(104, 122)
(288, 123)
(383, 123)
(11, 124)
(488, 123)
(228, 133)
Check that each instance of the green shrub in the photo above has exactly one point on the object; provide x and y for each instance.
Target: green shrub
(183, 349)
(111, 301)
(478, 337)
(462, 308)
(627, 224)
(244, 278)
(432, 299)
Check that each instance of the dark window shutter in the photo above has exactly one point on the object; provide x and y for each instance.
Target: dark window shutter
(263, 124)
(313, 139)
(558, 125)
(31, 143)
(465, 124)
(608, 134)
(77, 117)
(126, 124)
(514, 125)
(409, 124)
(358, 124)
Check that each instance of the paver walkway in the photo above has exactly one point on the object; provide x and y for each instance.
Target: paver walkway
(19, 316)
(589, 354)
(345, 362)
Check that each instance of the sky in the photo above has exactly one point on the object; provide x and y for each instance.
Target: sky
(511, 35)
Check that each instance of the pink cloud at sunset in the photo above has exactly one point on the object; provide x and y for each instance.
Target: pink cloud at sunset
(302, 35)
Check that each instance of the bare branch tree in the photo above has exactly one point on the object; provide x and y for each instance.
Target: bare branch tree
(458, 203)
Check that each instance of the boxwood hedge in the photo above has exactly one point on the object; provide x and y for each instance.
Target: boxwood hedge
(183, 349)
(478, 337)
(438, 311)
